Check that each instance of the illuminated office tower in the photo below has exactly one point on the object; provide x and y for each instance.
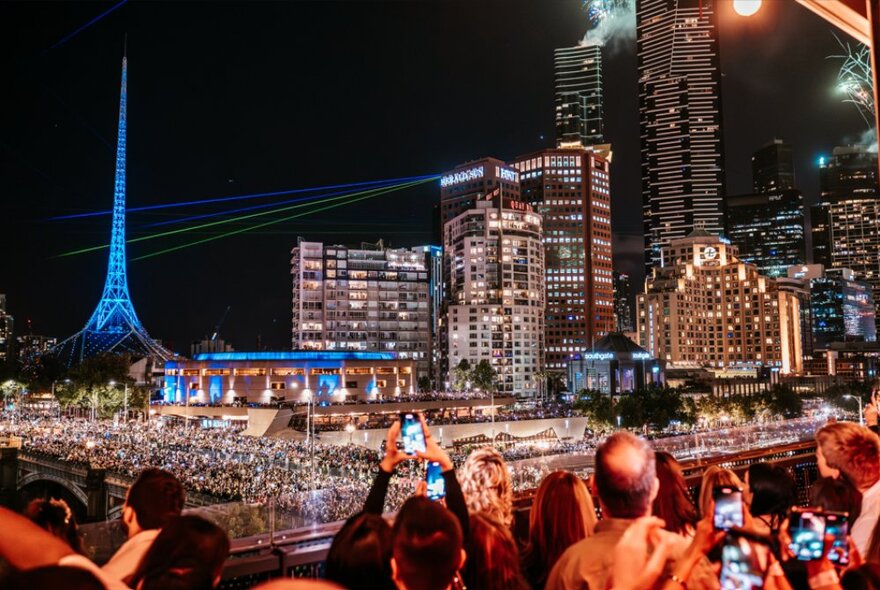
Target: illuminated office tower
(495, 292)
(372, 299)
(773, 168)
(846, 222)
(623, 317)
(680, 121)
(570, 188)
(768, 229)
(6, 332)
(704, 307)
(578, 76)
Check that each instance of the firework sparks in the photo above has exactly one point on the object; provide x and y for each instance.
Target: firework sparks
(854, 79)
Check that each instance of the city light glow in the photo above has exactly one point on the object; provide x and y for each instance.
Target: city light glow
(746, 7)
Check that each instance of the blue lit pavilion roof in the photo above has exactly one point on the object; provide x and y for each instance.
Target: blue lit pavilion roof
(297, 355)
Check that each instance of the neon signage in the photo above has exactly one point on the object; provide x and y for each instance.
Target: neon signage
(599, 356)
(505, 174)
(462, 176)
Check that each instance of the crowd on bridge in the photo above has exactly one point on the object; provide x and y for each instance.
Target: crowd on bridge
(649, 533)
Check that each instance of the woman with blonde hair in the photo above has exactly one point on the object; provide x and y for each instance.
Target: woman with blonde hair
(562, 514)
(485, 482)
(712, 477)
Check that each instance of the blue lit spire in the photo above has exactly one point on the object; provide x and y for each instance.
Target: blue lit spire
(114, 325)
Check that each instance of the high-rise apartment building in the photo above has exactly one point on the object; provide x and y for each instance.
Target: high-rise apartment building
(846, 222)
(768, 229)
(623, 317)
(705, 307)
(773, 168)
(361, 299)
(7, 344)
(578, 76)
(570, 188)
(495, 292)
(680, 121)
(436, 296)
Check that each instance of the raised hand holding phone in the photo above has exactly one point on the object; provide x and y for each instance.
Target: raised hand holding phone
(432, 451)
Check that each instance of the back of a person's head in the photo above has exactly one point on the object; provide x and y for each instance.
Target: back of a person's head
(301, 584)
(188, 554)
(562, 514)
(772, 490)
(156, 497)
(625, 475)
(864, 577)
(852, 449)
(360, 556)
(715, 476)
(673, 502)
(837, 495)
(53, 576)
(492, 556)
(427, 545)
(485, 483)
(56, 517)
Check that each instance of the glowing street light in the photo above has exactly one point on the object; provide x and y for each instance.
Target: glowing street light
(746, 7)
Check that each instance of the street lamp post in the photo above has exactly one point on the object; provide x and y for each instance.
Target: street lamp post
(861, 411)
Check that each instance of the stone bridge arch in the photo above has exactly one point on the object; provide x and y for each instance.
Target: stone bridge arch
(37, 477)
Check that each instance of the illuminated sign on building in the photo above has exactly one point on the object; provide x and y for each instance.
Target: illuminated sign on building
(517, 205)
(599, 356)
(505, 174)
(710, 253)
(462, 176)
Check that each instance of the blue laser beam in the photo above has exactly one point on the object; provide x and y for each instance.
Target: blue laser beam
(244, 197)
(255, 207)
(70, 36)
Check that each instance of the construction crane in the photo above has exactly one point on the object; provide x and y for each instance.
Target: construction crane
(220, 323)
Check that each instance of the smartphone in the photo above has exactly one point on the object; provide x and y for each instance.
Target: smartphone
(435, 480)
(740, 566)
(413, 436)
(807, 531)
(837, 524)
(728, 507)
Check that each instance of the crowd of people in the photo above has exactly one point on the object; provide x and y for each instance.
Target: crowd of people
(311, 483)
(645, 532)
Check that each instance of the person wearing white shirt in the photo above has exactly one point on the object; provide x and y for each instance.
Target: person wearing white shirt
(853, 452)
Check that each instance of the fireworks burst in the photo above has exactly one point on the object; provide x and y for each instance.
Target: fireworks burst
(609, 19)
(854, 79)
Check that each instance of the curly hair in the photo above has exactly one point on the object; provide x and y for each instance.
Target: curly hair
(485, 483)
(852, 449)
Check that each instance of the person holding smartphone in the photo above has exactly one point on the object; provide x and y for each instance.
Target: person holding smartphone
(432, 453)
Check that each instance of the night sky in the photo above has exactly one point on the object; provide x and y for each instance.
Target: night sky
(235, 98)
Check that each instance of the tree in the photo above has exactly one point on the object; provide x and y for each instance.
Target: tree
(483, 376)
(424, 383)
(461, 375)
(597, 407)
(89, 386)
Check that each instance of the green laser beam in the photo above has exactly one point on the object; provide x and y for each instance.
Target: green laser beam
(242, 218)
(283, 219)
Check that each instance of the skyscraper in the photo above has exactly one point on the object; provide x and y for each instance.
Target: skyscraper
(773, 168)
(623, 318)
(578, 76)
(463, 186)
(768, 229)
(846, 222)
(495, 292)
(680, 121)
(570, 188)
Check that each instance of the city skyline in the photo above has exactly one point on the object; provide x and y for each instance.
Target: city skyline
(74, 174)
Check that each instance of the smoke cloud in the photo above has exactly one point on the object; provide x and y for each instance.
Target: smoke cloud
(612, 23)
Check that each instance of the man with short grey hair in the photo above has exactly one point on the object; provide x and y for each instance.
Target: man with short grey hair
(625, 481)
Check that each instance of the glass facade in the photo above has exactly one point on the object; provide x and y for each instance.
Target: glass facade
(768, 230)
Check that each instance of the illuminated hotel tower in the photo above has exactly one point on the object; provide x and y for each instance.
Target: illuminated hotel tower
(569, 187)
(680, 121)
(577, 73)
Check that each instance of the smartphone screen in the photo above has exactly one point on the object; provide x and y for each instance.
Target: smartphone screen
(436, 483)
(413, 437)
(807, 531)
(728, 507)
(740, 566)
(837, 524)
